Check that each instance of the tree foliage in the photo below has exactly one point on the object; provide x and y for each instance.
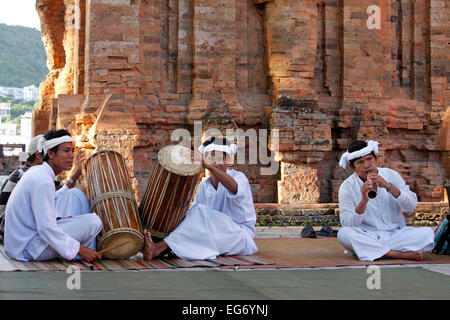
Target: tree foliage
(22, 57)
(18, 107)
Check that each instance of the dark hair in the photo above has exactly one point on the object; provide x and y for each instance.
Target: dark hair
(355, 146)
(52, 134)
(31, 158)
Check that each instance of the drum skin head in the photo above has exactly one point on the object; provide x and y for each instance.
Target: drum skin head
(177, 159)
(118, 236)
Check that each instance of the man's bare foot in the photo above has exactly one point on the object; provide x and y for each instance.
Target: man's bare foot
(409, 255)
(152, 249)
(149, 246)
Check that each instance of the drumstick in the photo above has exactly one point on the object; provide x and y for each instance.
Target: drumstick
(114, 246)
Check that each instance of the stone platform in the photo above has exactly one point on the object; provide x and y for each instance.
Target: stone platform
(272, 214)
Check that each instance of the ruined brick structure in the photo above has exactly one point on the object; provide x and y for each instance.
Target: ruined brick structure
(317, 71)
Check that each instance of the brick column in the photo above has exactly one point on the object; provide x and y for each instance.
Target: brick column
(215, 40)
(444, 140)
(40, 121)
(291, 27)
(305, 132)
(439, 90)
(111, 60)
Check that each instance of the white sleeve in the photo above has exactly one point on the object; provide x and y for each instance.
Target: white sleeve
(407, 200)
(44, 211)
(347, 209)
(241, 205)
(243, 187)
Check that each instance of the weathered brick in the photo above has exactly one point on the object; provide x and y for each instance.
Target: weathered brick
(311, 69)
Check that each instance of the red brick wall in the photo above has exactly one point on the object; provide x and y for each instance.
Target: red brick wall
(311, 69)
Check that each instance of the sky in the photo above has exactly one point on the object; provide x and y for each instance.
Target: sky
(19, 12)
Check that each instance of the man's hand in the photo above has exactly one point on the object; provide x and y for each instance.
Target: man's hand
(197, 155)
(88, 254)
(378, 181)
(80, 158)
(218, 174)
(208, 162)
(366, 187)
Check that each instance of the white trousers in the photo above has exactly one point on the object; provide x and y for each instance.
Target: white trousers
(371, 245)
(82, 226)
(205, 234)
(73, 202)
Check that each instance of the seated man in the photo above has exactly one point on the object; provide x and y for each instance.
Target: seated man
(65, 200)
(221, 220)
(35, 229)
(31, 158)
(375, 228)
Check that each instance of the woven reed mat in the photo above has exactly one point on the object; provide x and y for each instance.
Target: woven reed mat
(273, 253)
(136, 263)
(323, 252)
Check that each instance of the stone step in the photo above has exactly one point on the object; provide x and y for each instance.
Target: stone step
(318, 214)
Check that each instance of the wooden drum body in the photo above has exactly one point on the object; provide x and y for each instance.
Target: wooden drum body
(169, 190)
(111, 198)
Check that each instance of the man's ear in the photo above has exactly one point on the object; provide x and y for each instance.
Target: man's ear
(51, 154)
(39, 155)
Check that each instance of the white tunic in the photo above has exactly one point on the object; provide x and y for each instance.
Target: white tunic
(30, 218)
(218, 222)
(382, 227)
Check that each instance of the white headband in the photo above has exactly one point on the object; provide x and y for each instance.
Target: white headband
(231, 149)
(44, 145)
(346, 157)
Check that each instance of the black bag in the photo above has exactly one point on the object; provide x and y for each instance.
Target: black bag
(441, 239)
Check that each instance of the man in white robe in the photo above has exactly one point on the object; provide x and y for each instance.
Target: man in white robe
(35, 228)
(32, 157)
(375, 227)
(69, 200)
(221, 220)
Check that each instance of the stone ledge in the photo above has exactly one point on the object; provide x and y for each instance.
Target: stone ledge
(272, 214)
(282, 232)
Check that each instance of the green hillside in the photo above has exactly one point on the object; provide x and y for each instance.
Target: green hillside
(22, 57)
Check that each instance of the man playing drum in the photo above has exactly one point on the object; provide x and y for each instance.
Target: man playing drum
(373, 226)
(42, 224)
(221, 220)
(65, 198)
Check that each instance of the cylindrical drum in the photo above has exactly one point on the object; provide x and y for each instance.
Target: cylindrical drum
(169, 190)
(111, 198)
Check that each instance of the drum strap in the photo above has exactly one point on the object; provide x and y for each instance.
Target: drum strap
(113, 194)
